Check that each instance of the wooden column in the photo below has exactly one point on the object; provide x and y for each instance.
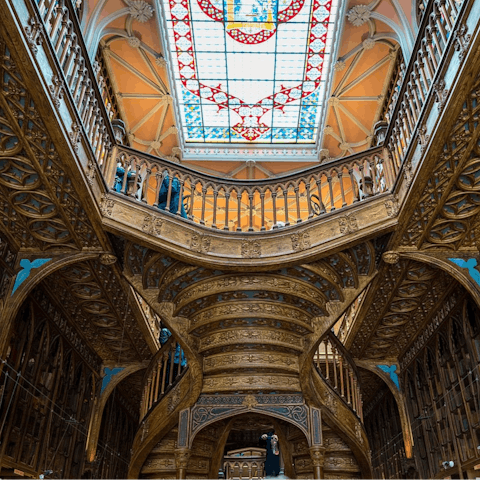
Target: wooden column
(181, 460)
(317, 455)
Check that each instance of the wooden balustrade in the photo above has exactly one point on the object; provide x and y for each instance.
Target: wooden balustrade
(247, 205)
(250, 205)
(165, 370)
(436, 31)
(338, 369)
(80, 78)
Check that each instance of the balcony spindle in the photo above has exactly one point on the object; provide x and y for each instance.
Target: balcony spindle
(285, 202)
(239, 206)
(262, 204)
(309, 200)
(334, 359)
(297, 199)
(274, 202)
(214, 220)
(227, 201)
(164, 372)
(330, 189)
(342, 191)
(327, 361)
(250, 210)
(204, 201)
(180, 198)
(445, 14)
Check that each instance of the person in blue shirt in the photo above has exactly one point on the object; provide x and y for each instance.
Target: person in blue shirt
(119, 178)
(174, 196)
(178, 357)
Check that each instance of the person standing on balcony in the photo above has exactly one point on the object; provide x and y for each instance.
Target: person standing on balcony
(272, 460)
(174, 196)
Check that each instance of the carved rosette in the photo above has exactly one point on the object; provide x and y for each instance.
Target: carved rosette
(251, 249)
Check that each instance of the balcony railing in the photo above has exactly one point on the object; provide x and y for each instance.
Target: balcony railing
(436, 31)
(251, 205)
(337, 368)
(246, 205)
(165, 370)
(80, 78)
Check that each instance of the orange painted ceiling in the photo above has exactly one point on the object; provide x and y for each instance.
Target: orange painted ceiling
(127, 34)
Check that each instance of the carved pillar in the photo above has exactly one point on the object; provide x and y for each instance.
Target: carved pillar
(181, 460)
(317, 455)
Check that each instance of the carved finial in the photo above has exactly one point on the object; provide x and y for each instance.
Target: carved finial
(107, 259)
(391, 257)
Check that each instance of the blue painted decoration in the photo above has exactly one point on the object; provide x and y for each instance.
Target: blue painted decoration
(109, 374)
(470, 265)
(391, 371)
(27, 266)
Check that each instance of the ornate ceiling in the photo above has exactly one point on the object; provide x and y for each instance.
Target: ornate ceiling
(129, 35)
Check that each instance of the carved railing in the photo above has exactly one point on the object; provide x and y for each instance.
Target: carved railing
(247, 205)
(436, 32)
(81, 80)
(165, 370)
(153, 321)
(342, 328)
(337, 368)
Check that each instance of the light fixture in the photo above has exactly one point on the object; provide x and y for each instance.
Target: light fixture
(448, 464)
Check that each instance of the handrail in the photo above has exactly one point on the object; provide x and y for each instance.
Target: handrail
(335, 365)
(247, 205)
(80, 78)
(165, 370)
(251, 205)
(435, 33)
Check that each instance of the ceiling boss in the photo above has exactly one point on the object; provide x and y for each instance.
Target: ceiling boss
(249, 70)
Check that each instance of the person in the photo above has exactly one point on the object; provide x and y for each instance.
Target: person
(174, 196)
(119, 179)
(272, 460)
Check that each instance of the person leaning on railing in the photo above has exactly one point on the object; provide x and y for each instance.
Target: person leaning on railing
(178, 357)
(174, 196)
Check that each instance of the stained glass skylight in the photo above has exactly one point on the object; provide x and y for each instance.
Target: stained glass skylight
(250, 71)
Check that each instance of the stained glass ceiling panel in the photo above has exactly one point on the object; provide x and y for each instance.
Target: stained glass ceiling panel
(250, 71)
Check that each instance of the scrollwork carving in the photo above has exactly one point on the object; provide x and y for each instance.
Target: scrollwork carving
(348, 224)
(56, 90)
(462, 41)
(300, 241)
(106, 206)
(34, 33)
(251, 249)
(200, 242)
(152, 225)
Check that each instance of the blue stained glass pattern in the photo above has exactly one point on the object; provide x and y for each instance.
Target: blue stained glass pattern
(250, 70)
